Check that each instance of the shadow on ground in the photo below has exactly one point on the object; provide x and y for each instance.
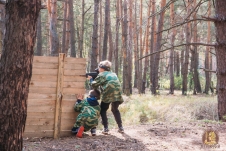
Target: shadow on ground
(100, 142)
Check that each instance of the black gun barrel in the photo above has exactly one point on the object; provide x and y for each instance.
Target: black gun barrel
(92, 74)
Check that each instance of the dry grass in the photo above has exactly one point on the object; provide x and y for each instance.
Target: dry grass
(168, 108)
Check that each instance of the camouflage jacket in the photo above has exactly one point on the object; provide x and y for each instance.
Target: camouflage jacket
(110, 85)
(89, 114)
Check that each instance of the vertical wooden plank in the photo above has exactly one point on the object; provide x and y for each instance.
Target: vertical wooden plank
(59, 95)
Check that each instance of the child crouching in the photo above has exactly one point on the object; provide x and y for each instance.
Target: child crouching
(89, 112)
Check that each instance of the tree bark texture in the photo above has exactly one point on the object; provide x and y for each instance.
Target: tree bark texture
(72, 28)
(111, 45)
(82, 30)
(207, 54)
(220, 25)
(172, 39)
(100, 33)
(182, 55)
(146, 62)
(39, 36)
(136, 52)
(158, 48)
(64, 27)
(152, 43)
(139, 84)
(130, 44)
(187, 49)
(106, 29)
(117, 36)
(126, 89)
(54, 39)
(16, 70)
(67, 36)
(177, 64)
(2, 26)
(94, 52)
(195, 58)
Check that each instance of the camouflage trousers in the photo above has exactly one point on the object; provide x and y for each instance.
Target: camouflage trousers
(87, 121)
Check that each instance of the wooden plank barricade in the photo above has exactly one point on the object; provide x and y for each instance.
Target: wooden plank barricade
(55, 82)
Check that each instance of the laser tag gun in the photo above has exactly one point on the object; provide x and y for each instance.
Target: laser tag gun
(93, 74)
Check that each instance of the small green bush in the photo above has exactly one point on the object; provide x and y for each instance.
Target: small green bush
(177, 83)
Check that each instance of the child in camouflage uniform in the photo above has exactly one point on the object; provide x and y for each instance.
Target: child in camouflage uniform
(111, 94)
(89, 109)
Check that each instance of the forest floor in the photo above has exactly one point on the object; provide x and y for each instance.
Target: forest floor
(155, 123)
(154, 137)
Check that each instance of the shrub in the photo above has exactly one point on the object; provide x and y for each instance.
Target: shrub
(177, 83)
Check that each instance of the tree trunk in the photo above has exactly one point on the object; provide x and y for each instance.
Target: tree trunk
(207, 54)
(64, 26)
(182, 61)
(123, 40)
(117, 36)
(152, 44)
(182, 53)
(146, 64)
(94, 52)
(197, 84)
(136, 52)
(111, 46)
(125, 51)
(158, 48)
(195, 57)
(16, 70)
(100, 33)
(177, 64)
(82, 30)
(139, 84)
(187, 49)
(130, 45)
(67, 38)
(39, 36)
(72, 28)
(54, 40)
(2, 26)
(172, 39)
(220, 12)
(106, 29)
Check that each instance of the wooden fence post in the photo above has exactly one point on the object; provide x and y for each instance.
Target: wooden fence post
(60, 75)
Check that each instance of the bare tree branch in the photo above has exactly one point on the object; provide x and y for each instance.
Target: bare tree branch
(164, 8)
(208, 70)
(186, 19)
(185, 22)
(210, 18)
(203, 44)
(87, 10)
(213, 53)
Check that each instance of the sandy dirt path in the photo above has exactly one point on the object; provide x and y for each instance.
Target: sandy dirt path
(154, 137)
